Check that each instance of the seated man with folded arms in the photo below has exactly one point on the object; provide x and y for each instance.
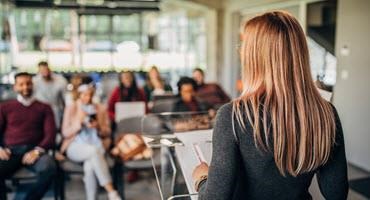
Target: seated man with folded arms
(211, 93)
(27, 131)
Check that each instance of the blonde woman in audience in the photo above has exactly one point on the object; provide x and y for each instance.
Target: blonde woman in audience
(272, 140)
(74, 83)
(86, 131)
(155, 85)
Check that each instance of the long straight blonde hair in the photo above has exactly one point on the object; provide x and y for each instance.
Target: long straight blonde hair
(279, 98)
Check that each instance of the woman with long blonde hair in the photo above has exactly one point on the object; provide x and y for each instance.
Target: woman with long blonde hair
(272, 140)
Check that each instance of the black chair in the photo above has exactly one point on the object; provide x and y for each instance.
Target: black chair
(137, 125)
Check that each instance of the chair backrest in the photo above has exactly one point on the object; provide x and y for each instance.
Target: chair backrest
(129, 125)
(149, 124)
(153, 124)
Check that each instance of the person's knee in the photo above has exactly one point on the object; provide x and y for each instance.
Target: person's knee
(46, 166)
(88, 168)
(95, 152)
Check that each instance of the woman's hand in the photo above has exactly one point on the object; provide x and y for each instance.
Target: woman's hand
(93, 124)
(200, 170)
(81, 116)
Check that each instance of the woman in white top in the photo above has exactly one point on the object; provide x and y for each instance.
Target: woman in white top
(86, 132)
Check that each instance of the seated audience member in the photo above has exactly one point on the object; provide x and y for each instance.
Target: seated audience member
(126, 91)
(155, 85)
(27, 131)
(86, 131)
(211, 93)
(50, 88)
(271, 141)
(187, 101)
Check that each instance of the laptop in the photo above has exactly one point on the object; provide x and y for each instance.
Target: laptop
(126, 110)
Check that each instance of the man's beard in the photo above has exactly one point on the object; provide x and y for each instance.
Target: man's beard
(26, 95)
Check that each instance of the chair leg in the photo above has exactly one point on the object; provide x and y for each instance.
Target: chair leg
(61, 187)
(118, 178)
(2, 190)
(56, 188)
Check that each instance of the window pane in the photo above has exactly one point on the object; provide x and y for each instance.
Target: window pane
(101, 42)
(119, 38)
(126, 23)
(62, 18)
(95, 24)
(30, 28)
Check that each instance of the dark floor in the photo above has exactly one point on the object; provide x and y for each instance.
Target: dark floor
(146, 188)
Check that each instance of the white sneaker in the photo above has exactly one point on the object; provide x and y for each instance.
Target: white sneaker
(114, 196)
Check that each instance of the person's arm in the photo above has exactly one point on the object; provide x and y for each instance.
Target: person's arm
(2, 125)
(70, 127)
(141, 95)
(332, 177)
(225, 160)
(225, 98)
(49, 129)
(62, 92)
(113, 99)
(104, 123)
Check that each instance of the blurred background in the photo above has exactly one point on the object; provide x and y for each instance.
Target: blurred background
(102, 37)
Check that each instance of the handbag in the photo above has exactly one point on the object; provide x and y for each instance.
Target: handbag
(130, 146)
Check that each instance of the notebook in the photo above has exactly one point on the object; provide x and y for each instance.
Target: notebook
(197, 147)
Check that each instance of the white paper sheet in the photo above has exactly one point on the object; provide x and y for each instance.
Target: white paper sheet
(187, 157)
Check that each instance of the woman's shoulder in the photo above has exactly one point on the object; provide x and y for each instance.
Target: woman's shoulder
(72, 105)
(116, 89)
(226, 108)
(115, 93)
(71, 108)
(224, 113)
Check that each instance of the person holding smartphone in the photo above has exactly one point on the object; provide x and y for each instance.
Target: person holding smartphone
(86, 131)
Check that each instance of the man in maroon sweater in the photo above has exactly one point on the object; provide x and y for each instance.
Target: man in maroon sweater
(27, 130)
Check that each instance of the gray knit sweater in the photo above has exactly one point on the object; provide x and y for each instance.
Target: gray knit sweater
(238, 170)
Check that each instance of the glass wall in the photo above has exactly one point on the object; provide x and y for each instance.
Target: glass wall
(42, 35)
(69, 41)
(323, 63)
(5, 37)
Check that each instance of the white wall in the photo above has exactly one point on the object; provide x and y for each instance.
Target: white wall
(352, 91)
(236, 11)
